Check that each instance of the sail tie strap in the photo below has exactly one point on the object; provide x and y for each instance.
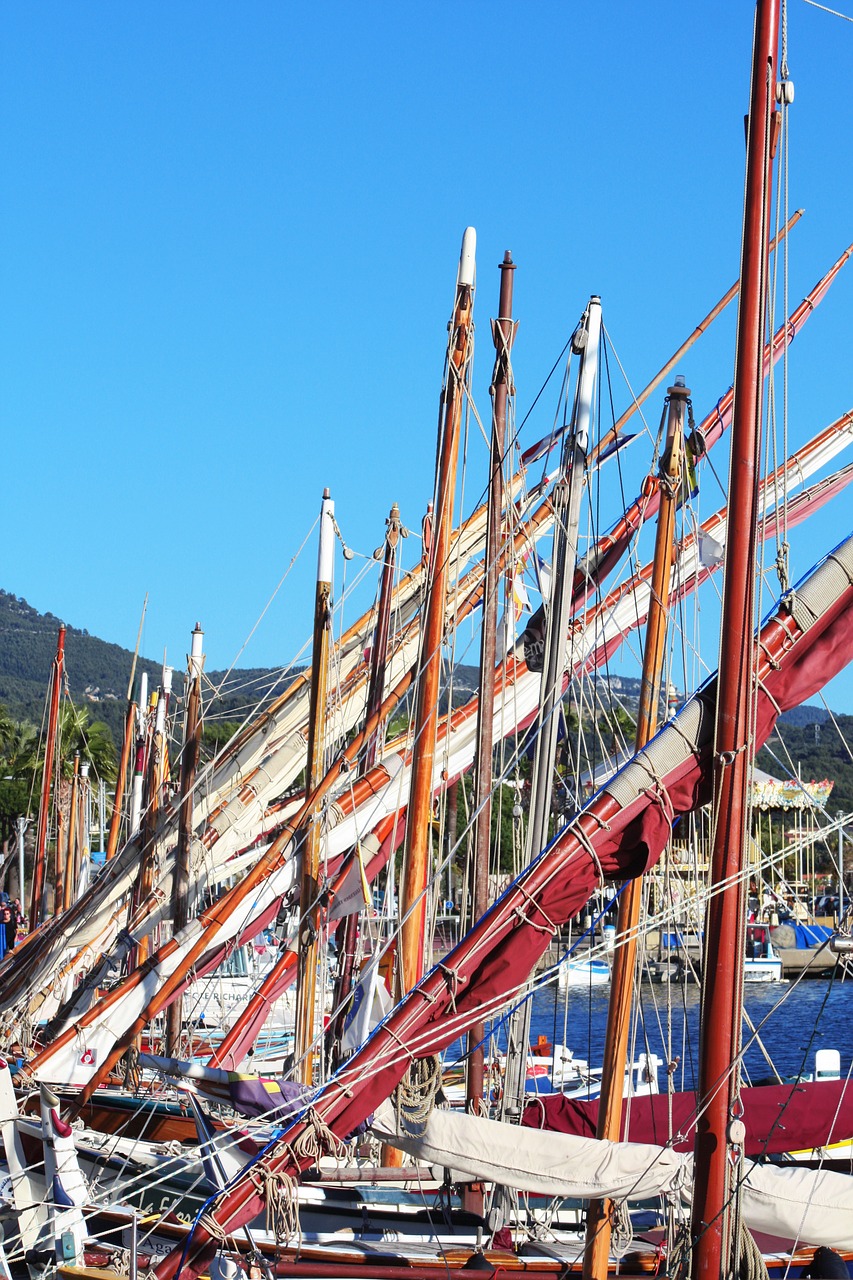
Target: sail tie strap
(769, 696)
(452, 984)
(548, 927)
(587, 844)
(393, 1034)
(603, 824)
(772, 662)
(213, 1228)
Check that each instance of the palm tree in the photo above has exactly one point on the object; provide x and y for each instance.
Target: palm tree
(93, 740)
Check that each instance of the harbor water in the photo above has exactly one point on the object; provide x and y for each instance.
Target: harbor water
(792, 1021)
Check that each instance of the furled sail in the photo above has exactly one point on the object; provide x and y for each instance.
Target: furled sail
(812, 1207)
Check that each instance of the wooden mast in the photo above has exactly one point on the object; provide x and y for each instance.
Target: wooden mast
(415, 861)
(718, 1131)
(309, 881)
(348, 932)
(625, 954)
(189, 763)
(503, 334)
(37, 904)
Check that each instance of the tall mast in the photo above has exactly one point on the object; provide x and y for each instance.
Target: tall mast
(309, 882)
(566, 500)
(121, 777)
(718, 1131)
(37, 904)
(415, 868)
(625, 953)
(503, 333)
(348, 931)
(189, 763)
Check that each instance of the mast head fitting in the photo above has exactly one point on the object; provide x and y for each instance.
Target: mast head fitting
(467, 259)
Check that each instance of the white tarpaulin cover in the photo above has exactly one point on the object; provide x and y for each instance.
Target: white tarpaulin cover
(805, 1205)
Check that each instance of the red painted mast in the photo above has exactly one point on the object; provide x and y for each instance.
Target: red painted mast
(716, 1136)
(37, 904)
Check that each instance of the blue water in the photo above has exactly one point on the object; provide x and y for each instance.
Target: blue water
(793, 1020)
(796, 1019)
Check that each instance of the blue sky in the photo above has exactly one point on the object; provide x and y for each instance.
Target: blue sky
(229, 246)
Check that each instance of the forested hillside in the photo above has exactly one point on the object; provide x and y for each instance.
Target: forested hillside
(97, 671)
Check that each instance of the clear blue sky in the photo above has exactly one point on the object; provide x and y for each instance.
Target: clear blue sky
(229, 239)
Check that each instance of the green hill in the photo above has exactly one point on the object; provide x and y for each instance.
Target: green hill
(98, 672)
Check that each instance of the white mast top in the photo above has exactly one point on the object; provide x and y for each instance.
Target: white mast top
(196, 652)
(588, 374)
(326, 555)
(467, 258)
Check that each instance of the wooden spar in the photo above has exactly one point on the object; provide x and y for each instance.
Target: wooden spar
(309, 885)
(348, 929)
(189, 764)
(503, 333)
(415, 859)
(613, 434)
(121, 778)
(717, 1130)
(37, 904)
(596, 1256)
(71, 842)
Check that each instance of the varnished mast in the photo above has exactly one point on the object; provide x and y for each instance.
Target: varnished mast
(503, 333)
(348, 930)
(415, 862)
(309, 880)
(625, 954)
(718, 1132)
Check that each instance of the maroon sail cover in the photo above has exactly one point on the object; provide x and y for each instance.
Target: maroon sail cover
(778, 1117)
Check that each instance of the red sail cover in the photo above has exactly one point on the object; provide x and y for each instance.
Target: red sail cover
(778, 1117)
